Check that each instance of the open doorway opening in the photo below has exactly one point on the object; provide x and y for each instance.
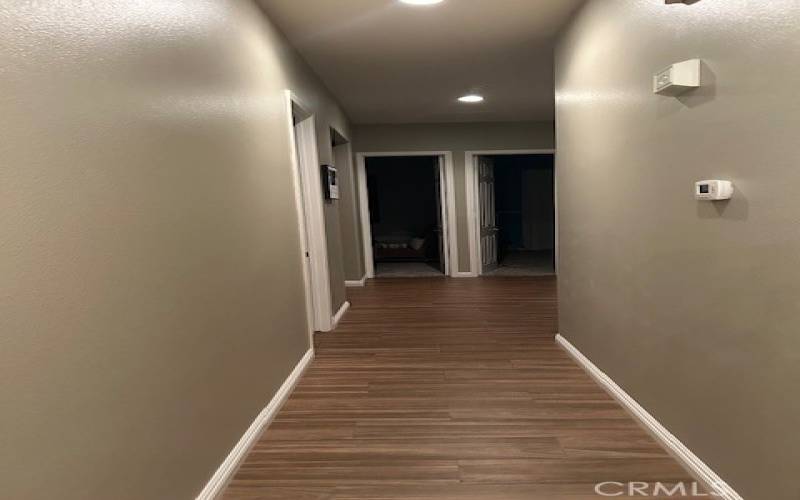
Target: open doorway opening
(405, 223)
(516, 199)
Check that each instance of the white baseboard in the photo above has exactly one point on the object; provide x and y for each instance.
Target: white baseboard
(339, 314)
(356, 283)
(216, 485)
(682, 454)
(464, 274)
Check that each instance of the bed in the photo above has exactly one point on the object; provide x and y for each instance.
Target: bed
(401, 248)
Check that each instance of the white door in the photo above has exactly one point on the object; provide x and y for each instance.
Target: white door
(315, 251)
(439, 217)
(488, 221)
(304, 238)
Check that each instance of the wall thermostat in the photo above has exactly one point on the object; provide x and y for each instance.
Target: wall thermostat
(713, 190)
(677, 78)
(330, 182)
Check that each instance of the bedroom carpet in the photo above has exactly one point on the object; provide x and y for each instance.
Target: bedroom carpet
(525, 263)
(406, 270)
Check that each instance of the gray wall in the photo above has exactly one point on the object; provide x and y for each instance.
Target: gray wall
(691, 306)
(458, 138)
(151, 297)
(333, 233)
(350, 228)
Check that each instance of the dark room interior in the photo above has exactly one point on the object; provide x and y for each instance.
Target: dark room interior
(404, 215)
(525, 214)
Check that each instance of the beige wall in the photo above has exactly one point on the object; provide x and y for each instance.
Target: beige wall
(333, 232)
(352, 246)
(691, 307)
(458, 138)
(151, 296)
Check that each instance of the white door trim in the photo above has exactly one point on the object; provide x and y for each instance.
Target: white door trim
(447, 194)
(473, 198)
(308, 199)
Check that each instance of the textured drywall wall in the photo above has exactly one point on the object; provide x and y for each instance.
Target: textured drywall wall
(350, 227)
(457, 138)
(151, 296)
(691, 306)
(333, 233)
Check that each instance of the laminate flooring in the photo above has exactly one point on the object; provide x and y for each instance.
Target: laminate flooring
(449, 389)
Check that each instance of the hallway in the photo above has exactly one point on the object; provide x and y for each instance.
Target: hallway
(210, 212)
(448, 389)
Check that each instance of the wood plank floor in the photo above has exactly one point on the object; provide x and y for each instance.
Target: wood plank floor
(448, 389)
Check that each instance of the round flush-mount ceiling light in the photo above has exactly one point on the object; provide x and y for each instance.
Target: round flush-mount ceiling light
(421, 2)
(471, 98)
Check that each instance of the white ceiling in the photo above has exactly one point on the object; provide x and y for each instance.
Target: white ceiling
(388, 62)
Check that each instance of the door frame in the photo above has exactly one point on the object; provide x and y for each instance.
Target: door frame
(447, 195)
(311, 219)
(473, 199)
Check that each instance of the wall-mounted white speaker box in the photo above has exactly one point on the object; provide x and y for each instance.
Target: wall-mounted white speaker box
(677, 78)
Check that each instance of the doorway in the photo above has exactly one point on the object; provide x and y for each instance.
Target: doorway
(515, 224)
(405, 214)
(311, 221)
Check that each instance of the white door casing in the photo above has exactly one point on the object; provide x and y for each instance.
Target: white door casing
(471, 159)
(448, 203)
(309, 200)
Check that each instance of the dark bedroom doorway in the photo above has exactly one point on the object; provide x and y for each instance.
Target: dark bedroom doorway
(405, 210)
(517, 211)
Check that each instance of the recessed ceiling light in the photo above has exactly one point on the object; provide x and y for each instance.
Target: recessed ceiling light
(471, 98)
(421, 2)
